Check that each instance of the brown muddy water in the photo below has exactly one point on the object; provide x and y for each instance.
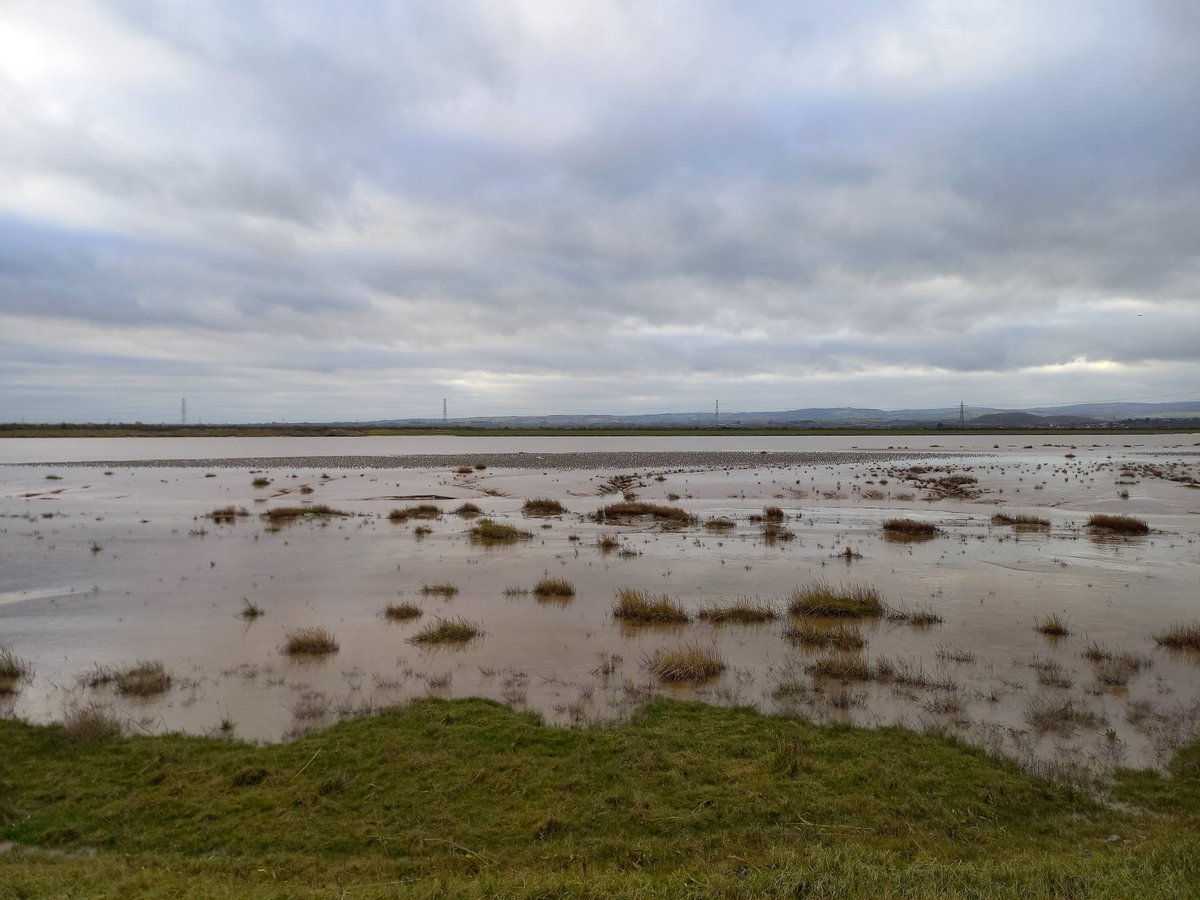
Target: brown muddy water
(108, 558)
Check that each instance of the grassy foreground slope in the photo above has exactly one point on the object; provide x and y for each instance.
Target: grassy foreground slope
(467, 798)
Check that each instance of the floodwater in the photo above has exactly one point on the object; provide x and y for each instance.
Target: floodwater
(108, 558)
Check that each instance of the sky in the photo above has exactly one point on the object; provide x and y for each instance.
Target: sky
(314, 211)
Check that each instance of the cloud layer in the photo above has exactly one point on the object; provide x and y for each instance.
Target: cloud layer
(299, 210)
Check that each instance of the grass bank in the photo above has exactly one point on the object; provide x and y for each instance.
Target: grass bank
(468, 798)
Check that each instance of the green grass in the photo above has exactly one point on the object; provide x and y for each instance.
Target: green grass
(823, 599)
(312, 640)
(685, 800)
(643, 608)
(448, 631)
(634, 509)
(489, 531)
(1118, 524)
(542, 506)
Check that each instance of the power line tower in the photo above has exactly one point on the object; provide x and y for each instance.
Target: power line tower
(183, 411)
(444, 420)
(962, 415)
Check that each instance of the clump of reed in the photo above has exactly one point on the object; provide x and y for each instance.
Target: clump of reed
(690, 663)
(1052, 625)
(542, 506)
(642, 607)
(312, 640)
(282, 514)
(742, 611)
(489, 531)
(401, 612)
(1021, 521)
(448, 631)
(1118, 524)
(823, 599)
(145, 679)
(228, 514)
(909, 529)
(634, 509)
(440, 589)
(810, 634)
(554, 587)
(13, 670)
(1182, 636)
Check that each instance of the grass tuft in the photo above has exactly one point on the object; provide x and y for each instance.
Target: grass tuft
(542, 506)
(909, 529)
(489, 531)
(143, 680)
(441, 589)
(1021, 521)
(1060, 717)
(812, 635)
(250, 611)
(1052, 626)
(86, 722)
(1183, 636)
(448, 631)
(642, 607)
(13, 670)
(632, 509)
(312, 640)
(228, 513)
(719, 523)
(742, 611)
(691, 663)
(823, 599)
(1118, 524)
(841, 667)
(282, 514)
(401, 612)
(554, 587)
(467, 510)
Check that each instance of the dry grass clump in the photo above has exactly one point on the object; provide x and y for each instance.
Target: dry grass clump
(464, 470)
(401, 612)
(1118, 524)
(607, 543)
(250, 611)
(689, 663)
(643, 608)
(228, 513)
(542, 506)
(823, 599)
(281, 514)
(1060, 717)
(312, 640)
(145, 679)
(1021, 521)
(467, 510)
(1051, 673)
(1180, 636)
(419, 511)
(441, 589)
(742, 611)
(554, 587)
(13, 670)
(633, 509)
(773, 531)
(1052, 626)
(909, 529)
(719, 523)
(448, 631)
(260, 482)
(489, 531)
(955, 654)
(772, 514)
(811, 635)
(86, 722)
(841, 667)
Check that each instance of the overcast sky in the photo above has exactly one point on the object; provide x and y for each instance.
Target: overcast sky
(314, 210)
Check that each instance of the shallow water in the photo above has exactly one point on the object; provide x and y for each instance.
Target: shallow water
(108, 569)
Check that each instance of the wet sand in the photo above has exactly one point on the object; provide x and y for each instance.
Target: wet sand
(113, 561)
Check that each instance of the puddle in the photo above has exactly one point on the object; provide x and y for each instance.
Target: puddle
(133, 569)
